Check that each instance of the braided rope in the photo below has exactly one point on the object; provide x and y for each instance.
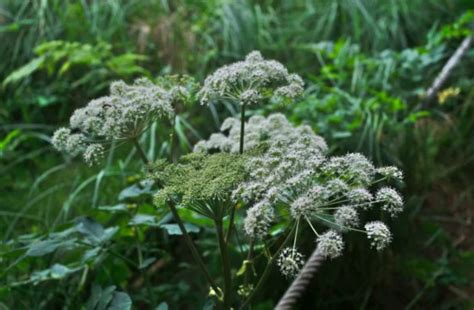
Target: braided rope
(297, 288)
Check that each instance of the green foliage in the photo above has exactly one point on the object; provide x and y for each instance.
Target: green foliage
(59, 57)
(108, 298)
(72, 236)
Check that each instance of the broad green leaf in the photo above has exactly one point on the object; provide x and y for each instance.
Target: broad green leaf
(120, 301)
(24, 71)
(134, 191)
(48, 246)
(144, 219)
(114, 209)
(173, 229)
(56, 272)
(108, 298)
(162, 306)
(93, 231)
(147, 262)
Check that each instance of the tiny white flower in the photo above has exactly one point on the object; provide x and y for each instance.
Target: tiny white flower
(258, 219)
(391, 200)
(346, 217)
(330, 244)
(93, 154)
(290, 262)
(391, 172)
(379, 235)
(360, 197)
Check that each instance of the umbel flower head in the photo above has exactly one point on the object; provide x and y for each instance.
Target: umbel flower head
(330, 244)
(288, 166)
(391, 200)
(199, 181)
(288, 173)
(250, 81)
(258, 219)
(379, 234)
(290, 262)
(124, 114)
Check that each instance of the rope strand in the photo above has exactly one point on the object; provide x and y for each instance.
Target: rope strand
(299, 285)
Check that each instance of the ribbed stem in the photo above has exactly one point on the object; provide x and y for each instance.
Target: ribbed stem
(192, 248)
(226, 268)
(141, 153)
(231, 223)
(267, 270)
(242, 127)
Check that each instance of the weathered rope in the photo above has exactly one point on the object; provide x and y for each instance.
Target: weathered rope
(297, 288)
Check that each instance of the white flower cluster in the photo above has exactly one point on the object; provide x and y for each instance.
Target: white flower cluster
(391, 172)
(250, 81)
(290, 262)
(275, 130)
(330, 244)
(391, 200)
(124, 114)
(259, 219)
(288, 169)
(346, 217)
(379, 234)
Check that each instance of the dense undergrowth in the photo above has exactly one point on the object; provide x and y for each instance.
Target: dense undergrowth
(366, 67)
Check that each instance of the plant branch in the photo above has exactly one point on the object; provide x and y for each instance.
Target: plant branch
(225, 264)
(249, 259)
(242, 127)
(192, 247)
(231, 222)
(141, 153)
(267, 270)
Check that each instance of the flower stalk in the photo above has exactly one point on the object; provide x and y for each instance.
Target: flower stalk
(226, 268)
(192, 247)
(189, 243)
(242, 127)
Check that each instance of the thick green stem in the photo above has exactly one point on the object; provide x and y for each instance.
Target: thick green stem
(242, 127)
(187, 238)
(140, 265)
(231, 223)
(267, 270)
(249, 259)
(192, 248)
(225, 264)
(141, 153)
(172, 140)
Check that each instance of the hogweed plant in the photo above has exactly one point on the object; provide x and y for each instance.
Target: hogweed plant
(265, 170)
